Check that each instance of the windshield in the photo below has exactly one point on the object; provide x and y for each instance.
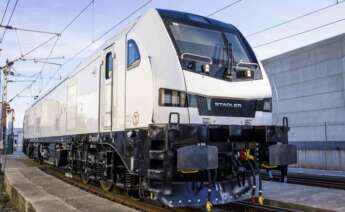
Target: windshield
(222, 50)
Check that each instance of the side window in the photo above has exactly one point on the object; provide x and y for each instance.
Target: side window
(108, 65)
(133, 55)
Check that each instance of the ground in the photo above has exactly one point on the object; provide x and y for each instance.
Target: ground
(5, 204)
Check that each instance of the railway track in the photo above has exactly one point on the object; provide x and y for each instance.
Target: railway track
(249, 207)
(269, 206)
(114, 195)
(122, 198)
(311, 180)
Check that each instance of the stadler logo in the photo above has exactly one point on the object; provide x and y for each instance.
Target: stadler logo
(228, 105)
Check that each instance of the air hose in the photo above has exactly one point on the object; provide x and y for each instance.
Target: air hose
(237, 165)
(209, 205)
(261, 198)
(254, 180)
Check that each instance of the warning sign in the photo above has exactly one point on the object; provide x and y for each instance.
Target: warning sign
(135, 119)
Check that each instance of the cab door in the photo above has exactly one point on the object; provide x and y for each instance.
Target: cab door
(139, 85)
(106, 88)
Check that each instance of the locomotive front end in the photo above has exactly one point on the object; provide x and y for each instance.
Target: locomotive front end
(212, 154)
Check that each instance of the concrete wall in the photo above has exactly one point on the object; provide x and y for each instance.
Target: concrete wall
(310, 85)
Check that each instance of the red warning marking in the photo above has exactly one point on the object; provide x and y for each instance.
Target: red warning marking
(135, 119)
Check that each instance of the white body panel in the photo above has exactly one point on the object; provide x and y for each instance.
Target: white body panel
(119, 84)
(211, 87)
(139, 90)
(164, 64)
(107, 92)
(200, 84)
(130, 98)
(68, 109)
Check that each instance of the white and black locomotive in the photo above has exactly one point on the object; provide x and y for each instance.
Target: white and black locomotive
(175, 108)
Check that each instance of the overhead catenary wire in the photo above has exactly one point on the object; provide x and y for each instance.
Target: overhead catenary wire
(19, 81)
(19, 44)
(76, 55)
(38, 74)
(295, 18)
(25, 88)
(3, 16)
(49, 55)
(45, 58)
(124, 19)
(62, 31)
(93, 22)
(57, 39)
(297, 34)
(224, 8)
(34, 49)
(38, 46)
(20, 75)
(77, 16)
(9, 20)
(27, 30)
(21, 91)
(54, 36)
(42, 59)
(100, 37)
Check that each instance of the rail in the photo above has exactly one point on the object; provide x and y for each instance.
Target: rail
(269, 206)
(310, 180)
(248, 206)
(120, 197)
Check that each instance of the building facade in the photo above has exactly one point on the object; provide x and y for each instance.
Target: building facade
(309, 90)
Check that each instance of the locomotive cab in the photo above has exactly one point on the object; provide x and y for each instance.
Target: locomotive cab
(223, 79)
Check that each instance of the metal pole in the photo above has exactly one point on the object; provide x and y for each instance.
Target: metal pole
(326, 139)
(1, 114)
(6, 71)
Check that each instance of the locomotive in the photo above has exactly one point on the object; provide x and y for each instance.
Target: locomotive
(175, 108)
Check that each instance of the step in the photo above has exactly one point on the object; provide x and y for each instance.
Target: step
(157, 174)
(156, 154)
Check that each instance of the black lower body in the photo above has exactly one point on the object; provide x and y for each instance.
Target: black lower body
(177, 164)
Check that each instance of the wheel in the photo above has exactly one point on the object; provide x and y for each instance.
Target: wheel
(106, 185)
(85, 177)
(56, 162)
(84, 170)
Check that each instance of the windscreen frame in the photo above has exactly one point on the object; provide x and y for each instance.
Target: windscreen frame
(182, 18)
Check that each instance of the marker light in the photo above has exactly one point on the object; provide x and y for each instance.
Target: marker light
(249, 74)
(206, 68)
(172, 98)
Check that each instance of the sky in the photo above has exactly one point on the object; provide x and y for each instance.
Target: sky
(247, 15)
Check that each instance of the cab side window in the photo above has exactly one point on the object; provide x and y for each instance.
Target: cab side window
(108, 65)
(133, 55)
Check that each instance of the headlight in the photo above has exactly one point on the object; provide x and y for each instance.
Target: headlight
(267, 106)
(172, 98)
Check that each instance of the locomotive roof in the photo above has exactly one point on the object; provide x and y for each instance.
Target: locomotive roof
(166, 15)
(195, 19)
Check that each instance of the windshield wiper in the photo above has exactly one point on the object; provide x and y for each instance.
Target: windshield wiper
(229, 58)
